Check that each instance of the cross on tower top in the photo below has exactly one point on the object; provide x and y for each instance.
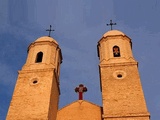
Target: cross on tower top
(50, 30)
(80, 90)
(111, 24)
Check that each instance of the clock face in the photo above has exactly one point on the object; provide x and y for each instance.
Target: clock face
(119, 74)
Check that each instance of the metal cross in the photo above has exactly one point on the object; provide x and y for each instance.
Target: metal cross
(111, 24)
(80, 90)
(50, 30)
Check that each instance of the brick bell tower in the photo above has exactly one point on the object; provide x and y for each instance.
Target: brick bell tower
(36, 94)
(122, 93)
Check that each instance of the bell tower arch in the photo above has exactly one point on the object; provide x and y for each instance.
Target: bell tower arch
(122, 94)
(36, 94)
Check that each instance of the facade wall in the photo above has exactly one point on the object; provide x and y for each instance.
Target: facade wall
(33, 100)
(80, 110)
(129, 118)
(124, 95)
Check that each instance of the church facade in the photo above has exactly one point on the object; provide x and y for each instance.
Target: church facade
(36, 94)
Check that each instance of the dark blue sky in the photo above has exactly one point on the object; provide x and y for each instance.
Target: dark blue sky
(79, 24)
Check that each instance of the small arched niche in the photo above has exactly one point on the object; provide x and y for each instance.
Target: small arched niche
(116, 51)
(39, 57)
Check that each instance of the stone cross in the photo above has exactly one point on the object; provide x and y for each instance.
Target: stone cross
(80, 90)
(50, 30)
(111, 24)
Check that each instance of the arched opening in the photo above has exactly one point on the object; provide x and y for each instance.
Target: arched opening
(116, 51)
(39, 57)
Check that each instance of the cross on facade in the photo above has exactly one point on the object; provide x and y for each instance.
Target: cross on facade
(50, 30)
(81, 89)
(111, 24)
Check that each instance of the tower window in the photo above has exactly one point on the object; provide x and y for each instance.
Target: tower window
(119, 75)
(116, 51)
(35, 81)
(39, 57)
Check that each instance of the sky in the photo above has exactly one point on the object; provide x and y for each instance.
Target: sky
(79, 25)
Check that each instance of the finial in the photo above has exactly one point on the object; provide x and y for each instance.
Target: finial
(80, 89)
(50, 30)
(111, 24)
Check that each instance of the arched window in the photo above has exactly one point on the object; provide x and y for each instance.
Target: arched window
(116, 51)
(39, 57)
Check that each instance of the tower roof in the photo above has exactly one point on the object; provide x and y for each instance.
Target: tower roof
(113, 32)
(46, 38)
